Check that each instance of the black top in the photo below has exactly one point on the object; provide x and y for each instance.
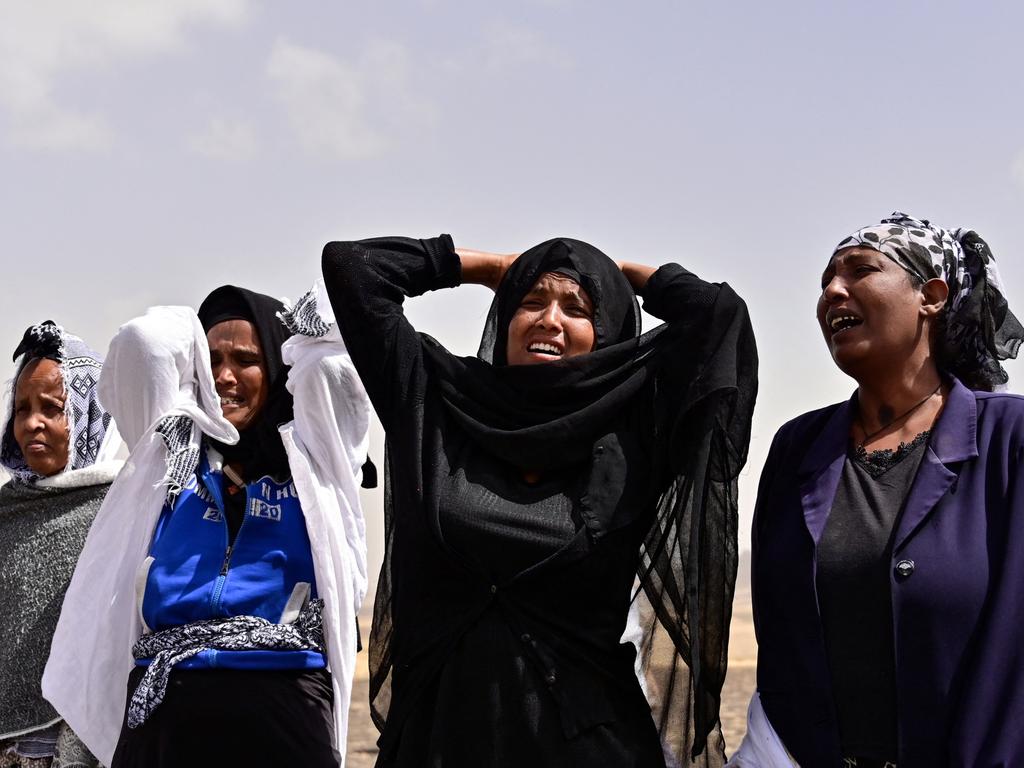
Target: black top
(495, 644)
(855, 599)
(500, 523)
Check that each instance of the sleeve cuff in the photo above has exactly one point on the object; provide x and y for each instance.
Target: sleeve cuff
(444, 261)
(672, 283)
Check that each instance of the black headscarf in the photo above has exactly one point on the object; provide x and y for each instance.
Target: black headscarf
(690, 384)
(548, 415)
(259, 449)
(616, 312)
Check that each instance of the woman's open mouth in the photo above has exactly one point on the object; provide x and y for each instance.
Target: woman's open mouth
(840, 322)
(545, 349)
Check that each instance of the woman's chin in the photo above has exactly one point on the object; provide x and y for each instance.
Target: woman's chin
(853, 360)
(46, 468)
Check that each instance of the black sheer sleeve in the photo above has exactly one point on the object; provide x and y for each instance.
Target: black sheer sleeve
(703, 404)
(367, 282)
(675, 294)
(714, 353)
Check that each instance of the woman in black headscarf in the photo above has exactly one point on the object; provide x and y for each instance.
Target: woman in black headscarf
(531, 489)
(231, 595)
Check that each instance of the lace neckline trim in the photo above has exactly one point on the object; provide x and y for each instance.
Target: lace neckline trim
(877, 462)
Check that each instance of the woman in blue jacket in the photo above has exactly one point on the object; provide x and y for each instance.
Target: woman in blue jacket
(888, 576)
(247, 594)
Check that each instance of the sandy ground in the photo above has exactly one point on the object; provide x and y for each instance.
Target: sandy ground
(739, 684)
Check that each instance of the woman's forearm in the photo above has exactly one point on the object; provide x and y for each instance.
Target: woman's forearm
(484, 268)
(636, 274)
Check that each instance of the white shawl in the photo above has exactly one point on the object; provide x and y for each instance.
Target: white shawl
(158, 366)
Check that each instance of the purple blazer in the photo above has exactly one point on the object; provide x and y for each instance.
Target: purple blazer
(957, 584)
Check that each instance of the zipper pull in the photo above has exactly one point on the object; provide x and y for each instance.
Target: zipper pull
(227, 559)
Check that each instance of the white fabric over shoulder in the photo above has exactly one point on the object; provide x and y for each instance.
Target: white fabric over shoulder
(761, 747)
(327, 444)
(157, 366)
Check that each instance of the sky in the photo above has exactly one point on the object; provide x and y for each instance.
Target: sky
(152, 150)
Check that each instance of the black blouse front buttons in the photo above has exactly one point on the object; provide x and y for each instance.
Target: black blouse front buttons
(494, 589)
(525, 638)
(904, 568)
(550, 679)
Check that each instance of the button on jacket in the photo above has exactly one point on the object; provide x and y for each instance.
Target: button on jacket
(957, 581)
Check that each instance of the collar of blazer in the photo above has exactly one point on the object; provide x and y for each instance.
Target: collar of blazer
(953, 439)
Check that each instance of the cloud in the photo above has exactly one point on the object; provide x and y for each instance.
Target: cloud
(225, 139)
(511, 44)
(345, 110)
(43, 40)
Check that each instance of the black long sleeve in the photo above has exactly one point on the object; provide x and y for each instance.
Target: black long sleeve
(367, 282)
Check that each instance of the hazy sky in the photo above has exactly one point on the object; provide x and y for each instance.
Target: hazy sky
(152, 150)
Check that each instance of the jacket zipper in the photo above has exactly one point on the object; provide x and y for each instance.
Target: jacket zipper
(216, 600)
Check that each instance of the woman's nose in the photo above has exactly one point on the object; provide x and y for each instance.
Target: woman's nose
(35, 422)
(552, 316)
(224, 375)
(834, 290)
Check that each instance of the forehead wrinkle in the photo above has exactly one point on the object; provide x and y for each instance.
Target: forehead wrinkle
(52, 379)
(857, 253)
(853, 253)
(548, 283)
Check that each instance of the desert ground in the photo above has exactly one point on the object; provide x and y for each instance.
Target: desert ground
(739, 684)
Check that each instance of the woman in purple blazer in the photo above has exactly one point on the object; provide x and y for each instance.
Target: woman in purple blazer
(888, 575)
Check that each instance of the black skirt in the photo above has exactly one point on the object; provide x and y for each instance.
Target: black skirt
(226, 717)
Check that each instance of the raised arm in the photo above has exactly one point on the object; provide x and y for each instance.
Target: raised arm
(367, 282)
(483, 268)
(672, 293)
(151, 362)
(713, 373)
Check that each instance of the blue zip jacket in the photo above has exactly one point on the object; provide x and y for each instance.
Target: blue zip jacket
(192, 573)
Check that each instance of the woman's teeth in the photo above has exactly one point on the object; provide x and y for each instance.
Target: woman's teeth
(547, 349)
(231, 401)
(843, 321)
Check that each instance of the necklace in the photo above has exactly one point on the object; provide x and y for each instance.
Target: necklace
(867, 437)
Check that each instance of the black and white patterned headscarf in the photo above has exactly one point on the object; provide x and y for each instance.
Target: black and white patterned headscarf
(87, 420)
(980, 330)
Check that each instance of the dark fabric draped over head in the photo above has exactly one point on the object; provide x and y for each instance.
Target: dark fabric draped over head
(616, 313)
(259, 449)
(687, 389)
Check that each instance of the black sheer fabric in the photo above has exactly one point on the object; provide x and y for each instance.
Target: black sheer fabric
(259, 449)
(655, 428)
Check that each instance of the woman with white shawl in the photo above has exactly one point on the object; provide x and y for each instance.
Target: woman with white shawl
(250, 661)
(57, 445)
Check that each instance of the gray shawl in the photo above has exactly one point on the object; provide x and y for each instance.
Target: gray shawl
(42, 531)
